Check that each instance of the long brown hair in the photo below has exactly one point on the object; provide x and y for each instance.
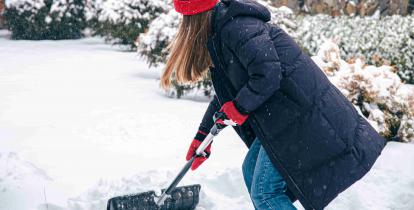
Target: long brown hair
(189, 59)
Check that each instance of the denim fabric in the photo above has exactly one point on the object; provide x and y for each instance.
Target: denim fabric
(264, 183)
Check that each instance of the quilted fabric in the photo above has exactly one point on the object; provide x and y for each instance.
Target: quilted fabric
(312, 133)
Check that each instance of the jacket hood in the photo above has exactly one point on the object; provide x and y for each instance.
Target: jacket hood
(226, 10)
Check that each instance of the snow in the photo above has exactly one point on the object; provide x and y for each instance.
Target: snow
(19, 177)
(81, 121)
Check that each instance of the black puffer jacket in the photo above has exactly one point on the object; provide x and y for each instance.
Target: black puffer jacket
(311, 132)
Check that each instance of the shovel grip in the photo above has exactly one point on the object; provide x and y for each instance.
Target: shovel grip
(207, 141)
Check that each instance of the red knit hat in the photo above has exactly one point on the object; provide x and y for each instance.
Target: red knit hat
(192, 7)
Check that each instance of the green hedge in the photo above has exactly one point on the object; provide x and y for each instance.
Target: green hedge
(45, 19)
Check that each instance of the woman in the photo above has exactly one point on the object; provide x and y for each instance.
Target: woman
(306, 140)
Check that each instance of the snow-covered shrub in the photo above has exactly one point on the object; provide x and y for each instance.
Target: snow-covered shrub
(121, 21)
(45, 19)
(377, 92)
(389, 40)
(152, 44)
(203, 87)
(92, 9)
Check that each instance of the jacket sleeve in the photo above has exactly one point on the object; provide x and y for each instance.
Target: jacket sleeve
(207, 122)
(248, 38)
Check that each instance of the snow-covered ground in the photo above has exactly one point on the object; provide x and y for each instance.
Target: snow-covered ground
(81, 121)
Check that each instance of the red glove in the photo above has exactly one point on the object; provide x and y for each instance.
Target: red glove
(231, 116)
(193, 148)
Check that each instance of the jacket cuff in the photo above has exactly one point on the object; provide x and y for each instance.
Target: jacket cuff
(201, 135)
(240, 109)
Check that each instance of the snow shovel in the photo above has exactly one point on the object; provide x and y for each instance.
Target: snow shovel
(172, 198)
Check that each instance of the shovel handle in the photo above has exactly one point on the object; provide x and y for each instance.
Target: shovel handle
(207, 141)
(215, 130)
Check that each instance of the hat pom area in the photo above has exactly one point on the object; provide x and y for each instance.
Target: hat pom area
(192, 7)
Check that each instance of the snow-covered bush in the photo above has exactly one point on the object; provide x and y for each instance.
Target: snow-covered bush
(45, 19)
(152, 45)
(92, 9)
(203, 87)
(377, 92)
(389, 40)
(121, 21)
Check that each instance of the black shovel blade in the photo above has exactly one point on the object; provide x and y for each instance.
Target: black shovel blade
(182, 198)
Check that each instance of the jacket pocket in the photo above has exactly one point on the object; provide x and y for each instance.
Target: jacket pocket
(339, 113)
(278, 112)
(295, 94)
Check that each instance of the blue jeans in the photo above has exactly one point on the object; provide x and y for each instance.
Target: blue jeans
(266, 186)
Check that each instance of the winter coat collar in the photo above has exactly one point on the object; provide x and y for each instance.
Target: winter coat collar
(226, 10)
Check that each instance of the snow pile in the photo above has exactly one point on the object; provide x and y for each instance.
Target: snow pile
(214, 194)
(22, 184)
(377, 92)
(42, 19)
(15, 169)
(388, 40)
(99, 194)
(387, 186)
(121, 21)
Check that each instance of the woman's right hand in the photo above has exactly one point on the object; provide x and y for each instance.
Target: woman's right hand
(230, 114)
(195, 144)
